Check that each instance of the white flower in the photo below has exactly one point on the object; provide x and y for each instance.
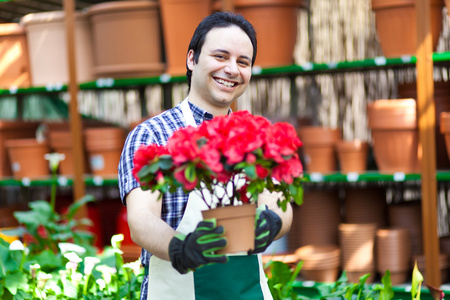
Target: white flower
(116, 240)
(34, 270)
(106, 272)
(76, 277)
(73, 257)
(69, 247)
(42, 279)
(89, 263)
(101, 284)
(135, 266)
(54, 159)
(16, 245)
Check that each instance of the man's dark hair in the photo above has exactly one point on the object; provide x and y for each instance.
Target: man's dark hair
(218, 20)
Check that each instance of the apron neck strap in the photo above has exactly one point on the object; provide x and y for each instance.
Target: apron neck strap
(187, 113)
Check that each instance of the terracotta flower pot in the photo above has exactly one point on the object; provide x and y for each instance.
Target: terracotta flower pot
(14, 62)
(445, 130)
(104, 146)
(275, 22)
(27, 158)
(46, 36)
(239, 224)
(352, 155)
(319, 148)
(396, 22)
(127, 39)
(365, 205)
(320, 262)
(442, 104)
(13, 130)
(179, 20)
(395, 135)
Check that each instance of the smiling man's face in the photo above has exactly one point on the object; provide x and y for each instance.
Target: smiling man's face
(223, 70)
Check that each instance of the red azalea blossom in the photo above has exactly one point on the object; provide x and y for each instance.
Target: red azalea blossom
(261, 171)
(287, 170)
(211, 158)
(281, 140)
(243, 194)
(42, 231)
(182, 145)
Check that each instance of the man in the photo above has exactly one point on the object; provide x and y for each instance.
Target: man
(180, 264)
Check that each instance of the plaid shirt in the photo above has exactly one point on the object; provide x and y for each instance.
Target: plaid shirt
(156, 130)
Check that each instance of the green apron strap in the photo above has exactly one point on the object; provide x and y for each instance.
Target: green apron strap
(238, 279)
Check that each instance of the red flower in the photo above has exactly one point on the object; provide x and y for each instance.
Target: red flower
(182, 145)
(281, 141)
(261, 171)
(42, 231)
(287, 170)
(211, 158)
(243, 194)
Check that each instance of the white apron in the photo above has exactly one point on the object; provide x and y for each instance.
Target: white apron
(215, 281)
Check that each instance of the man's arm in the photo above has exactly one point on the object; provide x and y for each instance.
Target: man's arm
(270, 199)
(147, 229)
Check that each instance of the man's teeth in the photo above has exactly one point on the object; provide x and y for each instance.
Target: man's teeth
(225, 83)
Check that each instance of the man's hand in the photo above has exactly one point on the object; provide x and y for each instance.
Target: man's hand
(268, 225)
(188, 252)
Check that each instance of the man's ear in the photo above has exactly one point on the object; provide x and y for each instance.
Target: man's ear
(190, 60)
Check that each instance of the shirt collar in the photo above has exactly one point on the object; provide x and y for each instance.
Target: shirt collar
(200, 114)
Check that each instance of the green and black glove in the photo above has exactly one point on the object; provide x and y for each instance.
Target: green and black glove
(188, 252)
(268, 225)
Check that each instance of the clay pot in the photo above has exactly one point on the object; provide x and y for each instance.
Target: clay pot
(366, 205)
(395, 21)
(104, 146)
(319, 148)
(408, 215)
(442, 104)
(127, 39)
(15, 66)
(315, 222)
(320, 262)
(239, 224)
(445, 130)
(352, 155)
(395, 135)
(27, 158)
(179, 20)
(275, 22)
(357, 245)
(13, 130)
(394, 253)
(46, 36)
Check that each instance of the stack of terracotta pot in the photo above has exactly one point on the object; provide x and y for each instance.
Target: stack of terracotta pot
(319, 145)
(394, 134)
(27, 158)
(366, 205)
(357, 246)
(408, 215)
(352, 155)
(316, 220)
(394, 253)
(320, 262)
(104, 146)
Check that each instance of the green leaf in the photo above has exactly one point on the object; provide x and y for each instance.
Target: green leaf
(251, 172)
(416, 283)
(387, 292)
(189, 173)
(73, 208)
(165, 162)
(15, 281)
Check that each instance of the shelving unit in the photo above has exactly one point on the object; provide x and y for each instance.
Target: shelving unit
(422, 62)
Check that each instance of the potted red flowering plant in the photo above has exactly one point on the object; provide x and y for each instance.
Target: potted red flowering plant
(228, 161)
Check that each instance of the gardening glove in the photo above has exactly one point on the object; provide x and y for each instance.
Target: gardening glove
(188, 252)
(268, 225)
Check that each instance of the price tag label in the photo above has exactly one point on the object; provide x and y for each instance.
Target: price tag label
(98, 181)
(316, 177)
(380, 61)
(332, 65)
(256, 70)
(26, 181)
(104, 82)
(165, 78)
(308, 66)
(399, 176)
(62, 181)
(13, 89)
(406, 58)
(352, 176)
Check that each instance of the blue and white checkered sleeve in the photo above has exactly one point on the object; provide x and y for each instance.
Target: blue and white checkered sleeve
(139, 136)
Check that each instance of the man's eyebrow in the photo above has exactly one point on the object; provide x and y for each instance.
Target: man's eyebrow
(227, 52)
